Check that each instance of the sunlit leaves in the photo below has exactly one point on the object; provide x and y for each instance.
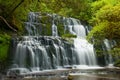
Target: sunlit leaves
(106, 19)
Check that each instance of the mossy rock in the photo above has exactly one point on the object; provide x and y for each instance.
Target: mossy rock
(68, 36)
(117, 63)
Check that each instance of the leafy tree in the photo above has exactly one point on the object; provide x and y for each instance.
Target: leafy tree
(106, 20)
(106, 24)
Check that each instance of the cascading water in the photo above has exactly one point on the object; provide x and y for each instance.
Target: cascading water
(38, 52)
(54, 30)
(108, 46)
(83, 48)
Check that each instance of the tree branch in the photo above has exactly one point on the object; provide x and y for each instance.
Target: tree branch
(16, 6)
(7, 23)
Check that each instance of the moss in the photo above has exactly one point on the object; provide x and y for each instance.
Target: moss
(68, 36)
(115, 51)
(46, 25)
(117, 63)
(3, 51)
(60, 29)
(48, 31)
(4, 46)
(99, 53)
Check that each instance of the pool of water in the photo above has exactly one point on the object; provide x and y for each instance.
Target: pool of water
(93, 76)
(75, 74)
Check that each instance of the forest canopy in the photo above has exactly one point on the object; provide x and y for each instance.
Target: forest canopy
(105, 19)
(16, 11)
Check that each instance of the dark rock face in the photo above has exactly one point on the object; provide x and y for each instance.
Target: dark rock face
(43, 52)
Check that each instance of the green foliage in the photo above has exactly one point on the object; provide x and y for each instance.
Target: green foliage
(99, 53)
(4, 38)
(68, 36)
(71, 8)
(20, 14)
(115, 51)
(16, 11)
(4, 46)
(97, 33)
(106, 24)
(105, 19)
(65, 11)
(3, 51)
(117, 63)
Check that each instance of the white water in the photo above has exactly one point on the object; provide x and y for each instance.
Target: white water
(83, 49)
(85, 52)
(108, 45)
(54, 30)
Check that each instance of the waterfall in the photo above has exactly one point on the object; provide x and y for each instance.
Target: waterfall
(83, 48)
(108, 46)
(38, 52)
(54, 30)
(85, 52)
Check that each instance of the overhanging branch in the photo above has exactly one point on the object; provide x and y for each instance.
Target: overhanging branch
(7, 24)
(16, 7)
